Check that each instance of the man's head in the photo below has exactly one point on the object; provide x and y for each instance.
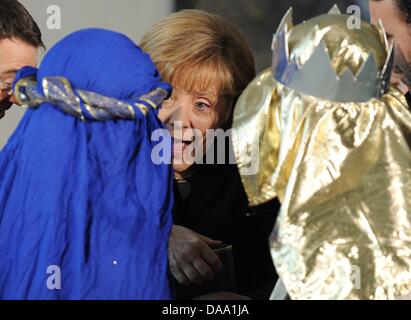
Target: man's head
(396, 18)
(20, 38)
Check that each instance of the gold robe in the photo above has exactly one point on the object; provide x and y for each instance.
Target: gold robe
(342, 172)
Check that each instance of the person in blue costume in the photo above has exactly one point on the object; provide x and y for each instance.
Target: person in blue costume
(84, 211)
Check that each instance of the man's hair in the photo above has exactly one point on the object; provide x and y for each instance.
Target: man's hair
(405, 7)
(16, 22)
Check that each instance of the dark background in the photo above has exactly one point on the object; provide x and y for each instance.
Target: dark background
(258, 19)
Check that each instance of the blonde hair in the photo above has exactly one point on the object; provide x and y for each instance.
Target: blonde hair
(195, 51)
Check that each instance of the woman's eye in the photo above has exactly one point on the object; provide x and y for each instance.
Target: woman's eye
(202, 106)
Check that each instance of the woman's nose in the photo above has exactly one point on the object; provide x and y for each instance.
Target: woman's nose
(181, 117)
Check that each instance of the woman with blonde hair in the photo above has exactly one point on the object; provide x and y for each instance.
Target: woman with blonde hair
(208, 63)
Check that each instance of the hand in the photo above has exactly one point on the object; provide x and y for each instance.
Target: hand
(191, 258)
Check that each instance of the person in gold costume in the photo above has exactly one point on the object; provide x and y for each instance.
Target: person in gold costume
(331, 139)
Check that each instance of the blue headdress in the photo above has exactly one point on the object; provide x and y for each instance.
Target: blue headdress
(84, 211)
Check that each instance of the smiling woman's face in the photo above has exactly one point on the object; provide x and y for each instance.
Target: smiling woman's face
(187, 116)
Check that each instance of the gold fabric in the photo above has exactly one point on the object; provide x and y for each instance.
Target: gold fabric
(342, 172)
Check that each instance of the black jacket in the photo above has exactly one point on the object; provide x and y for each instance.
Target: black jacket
(213, 203)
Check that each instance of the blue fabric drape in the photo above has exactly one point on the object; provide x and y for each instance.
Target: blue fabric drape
(85, 196)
